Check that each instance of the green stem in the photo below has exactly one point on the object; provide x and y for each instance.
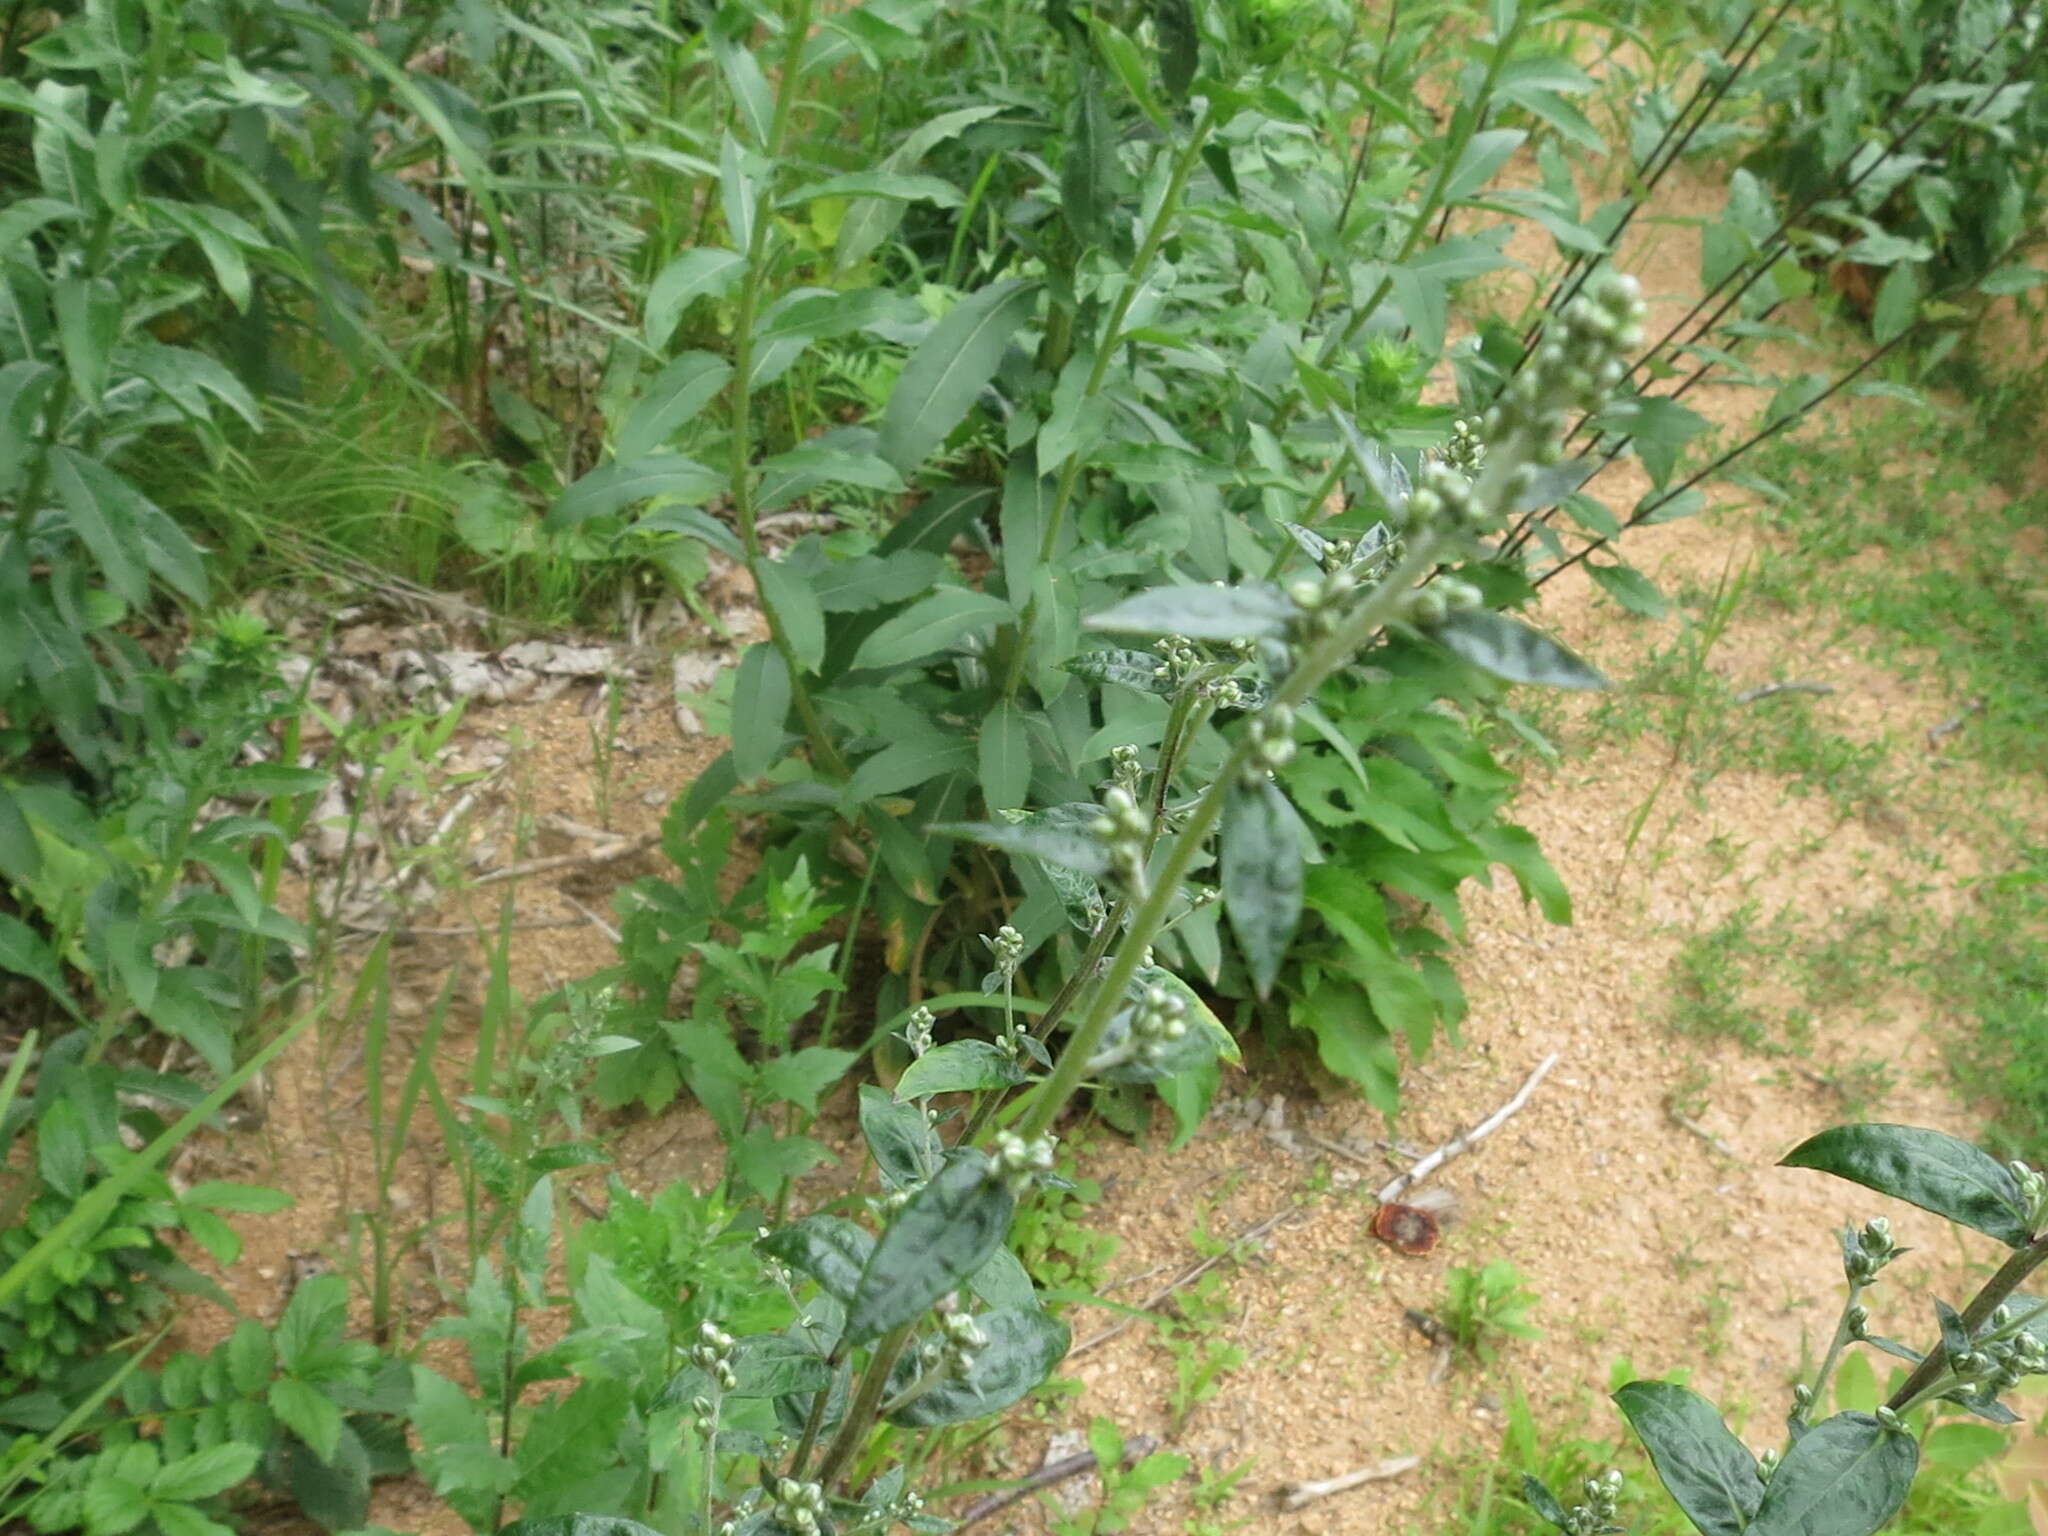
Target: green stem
(1134, 279)
(866, 1406)
(744, 512)
(1997, 1290)
(1835, 1346)
(1324, 658)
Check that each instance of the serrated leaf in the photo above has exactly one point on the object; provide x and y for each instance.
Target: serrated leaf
(830, 1249)
(958, 1066)
(949, 370)
(206, 1473)
(942, 1235)
(1846, 1476)
(1510, 649)
(1024, 1347)
(1262, 877)
(1930, 1169)
(308, 1413)
(1257, 612)
(1707, 1471)
(930, 625)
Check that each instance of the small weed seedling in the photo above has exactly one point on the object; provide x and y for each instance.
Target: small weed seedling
(1484, 1308)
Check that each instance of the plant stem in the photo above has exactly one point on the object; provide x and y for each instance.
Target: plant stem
(866, 1406)
(1322, 659)
(2011, 1275)
(1835, 1345)
(822, 744)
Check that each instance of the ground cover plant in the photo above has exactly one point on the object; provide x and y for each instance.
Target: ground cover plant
(1138, 651)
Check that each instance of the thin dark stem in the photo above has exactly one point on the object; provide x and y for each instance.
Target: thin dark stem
(1363, 158)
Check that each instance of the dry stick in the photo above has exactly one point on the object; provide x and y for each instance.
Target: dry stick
(624, 849)
(1772, 690)
(1294, 1495)
(1455, 1147)
(1077, 1465)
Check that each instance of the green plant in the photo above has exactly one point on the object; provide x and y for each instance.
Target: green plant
(1202, 1354)
(1849, 1474)
(1125, 1490)
(1214, 1489)
(1483, 1308)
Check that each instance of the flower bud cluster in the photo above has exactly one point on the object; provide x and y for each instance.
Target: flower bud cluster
(1442, 498)
(1465, 451)
(917, 1030)
(1008, 948)
(1576, 368)
(1016, 1162)
(952, 1354)
(713, 1354)
(1181, 658)
(1160, 1019)
(1126, 772)
(1866, 1253)
(1321, 601)
(1427, 607)
(1123, 829)
(1224, 693)
(706, 1412)
(1995, 1362)
(2033, 1185)
(1272, 743)
(1603, 1500)
(800, 1506)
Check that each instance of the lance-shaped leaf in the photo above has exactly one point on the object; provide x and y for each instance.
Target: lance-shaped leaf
(959, 1066)
(830, 1249)
(900, 1139)
(1024, 1346)
(942, 1235)
(949, 370)
(669, 403)
(1930, 1169)
(1051, 845)
(1255, 612)
(1262, 877)
(1512, 650)
(1139, 670)
(1537, 1495)
(1846, 1476)
(611, 487)
(1707, 1471)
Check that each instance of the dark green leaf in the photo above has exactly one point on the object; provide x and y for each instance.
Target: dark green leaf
(1089, 172)
(944, 1234)
(579, 1525)
(769, 1365)
(958, 1066)
(795, 610)
(901, 1140)
(1003, 1282)
(1024, 1347)
(1262, 877)
(25, 954)
(1708, 1472)
(336, 1493)
(88, 326)
(1630, 588)
(1544, 1502)
(1846, 1476)
(1512, 650)
(949, 370)
(1138, 670)
(205, 1473)
(1173, 22)
(1202, 613)
(760, 707)
(1930, 1169)
(830, 1249)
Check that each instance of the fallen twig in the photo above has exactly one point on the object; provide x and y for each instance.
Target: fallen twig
(1294, 1495)
(1771, 690)
(1077, 1465)
(1687, 1123)
(1953, 723)
(1458, 1145)
(594, 920)
(625, 848)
